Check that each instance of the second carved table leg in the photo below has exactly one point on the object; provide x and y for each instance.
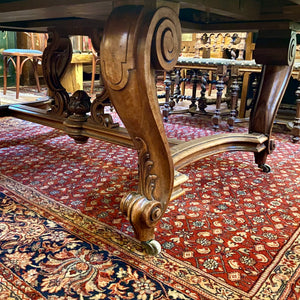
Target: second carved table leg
(135, 42)
(275, 49)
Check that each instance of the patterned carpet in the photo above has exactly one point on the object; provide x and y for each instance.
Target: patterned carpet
(235, 234)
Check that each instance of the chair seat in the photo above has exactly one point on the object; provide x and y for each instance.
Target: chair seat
(22, 52)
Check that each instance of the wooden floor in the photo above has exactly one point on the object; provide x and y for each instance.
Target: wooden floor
(27, 94)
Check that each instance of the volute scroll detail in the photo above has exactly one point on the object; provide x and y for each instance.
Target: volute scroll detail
(166, 39)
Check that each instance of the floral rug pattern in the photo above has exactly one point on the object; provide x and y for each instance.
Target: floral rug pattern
(233, 235)
(48, 262)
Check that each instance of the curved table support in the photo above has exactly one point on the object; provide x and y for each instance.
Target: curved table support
(136, 41)
(56, 57)
(276, 51)
(189, 152)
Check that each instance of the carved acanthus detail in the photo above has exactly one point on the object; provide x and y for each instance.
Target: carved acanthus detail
(146, 179)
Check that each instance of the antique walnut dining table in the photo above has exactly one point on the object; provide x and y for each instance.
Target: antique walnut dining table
(135, 38)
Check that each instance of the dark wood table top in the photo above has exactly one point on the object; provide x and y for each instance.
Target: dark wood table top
(78, 15)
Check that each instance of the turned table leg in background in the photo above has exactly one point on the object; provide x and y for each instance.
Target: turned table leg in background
(275, 50)
(216, 118)
(135, 42)
(296, 122)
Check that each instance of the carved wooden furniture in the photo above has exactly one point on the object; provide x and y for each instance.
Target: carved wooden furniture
(139, 37)
(218, 66)
(223, 68)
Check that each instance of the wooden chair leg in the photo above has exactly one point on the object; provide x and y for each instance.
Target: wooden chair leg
(18, 75)
(5, 62)
(210, 78)
(36, 76)
(93, 74)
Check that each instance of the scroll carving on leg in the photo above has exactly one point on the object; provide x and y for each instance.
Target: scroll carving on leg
(56, 57)
(146, 40)
(98, 114)
(275, 49)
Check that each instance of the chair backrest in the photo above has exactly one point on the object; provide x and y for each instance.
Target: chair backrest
(214, 45)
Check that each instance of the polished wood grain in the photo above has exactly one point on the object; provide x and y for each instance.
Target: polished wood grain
(130, 79)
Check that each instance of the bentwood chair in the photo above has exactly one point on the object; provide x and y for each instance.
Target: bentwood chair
(18, 57)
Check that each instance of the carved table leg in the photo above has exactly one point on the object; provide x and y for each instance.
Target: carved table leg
(56, 57)
(135, 42)
(276, 51)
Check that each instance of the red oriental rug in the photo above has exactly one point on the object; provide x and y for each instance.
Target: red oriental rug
(235, 234)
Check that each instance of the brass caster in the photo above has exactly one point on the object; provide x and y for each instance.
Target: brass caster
(152, 247)
(265, 168)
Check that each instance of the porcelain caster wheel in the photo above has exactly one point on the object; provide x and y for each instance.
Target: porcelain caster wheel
(265, 168)
(152, 247)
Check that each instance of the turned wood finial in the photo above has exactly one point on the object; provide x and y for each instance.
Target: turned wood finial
(78, 106)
